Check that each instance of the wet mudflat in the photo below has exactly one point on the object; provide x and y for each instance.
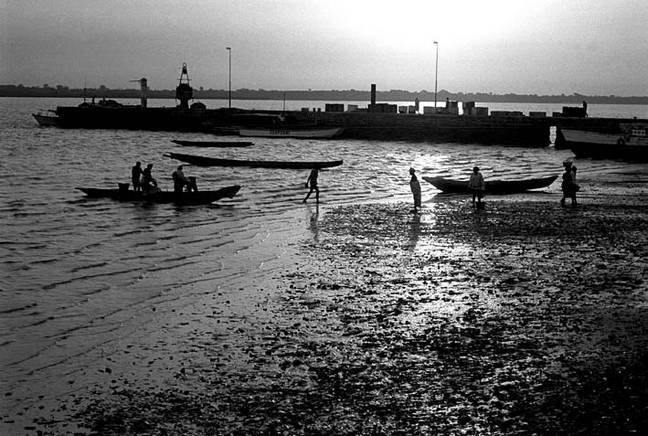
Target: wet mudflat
(524, 318)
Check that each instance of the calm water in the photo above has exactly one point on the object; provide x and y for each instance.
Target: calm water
(83, 277)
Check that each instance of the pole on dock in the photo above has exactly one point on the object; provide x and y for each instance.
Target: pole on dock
(436, 74)
(229, 52)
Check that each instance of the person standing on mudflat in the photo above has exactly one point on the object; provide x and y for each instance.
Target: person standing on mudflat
(312, 180)
(477, 186)
(415, 186)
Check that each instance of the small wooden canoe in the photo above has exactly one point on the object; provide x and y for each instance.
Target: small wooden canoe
(184, 198)
(492, 186)
(218, 144)
(214, 162)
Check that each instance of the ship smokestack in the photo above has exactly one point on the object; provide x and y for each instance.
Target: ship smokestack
(144, 91)
(373, 94)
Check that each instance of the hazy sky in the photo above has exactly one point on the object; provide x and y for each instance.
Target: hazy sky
(595, 47)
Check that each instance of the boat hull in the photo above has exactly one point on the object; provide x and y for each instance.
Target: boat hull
(492, 186)
(289, 133)
(215, 144)
(606, 146)
(210, 162)
(184, 198)
(46, 120)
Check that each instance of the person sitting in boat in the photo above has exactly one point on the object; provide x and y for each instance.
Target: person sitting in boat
(136, 174)
(477, 186)
(179, 180)
(149, 184)
(312, 180)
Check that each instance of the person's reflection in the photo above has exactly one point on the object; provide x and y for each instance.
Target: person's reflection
(313, 224)
(414, 231)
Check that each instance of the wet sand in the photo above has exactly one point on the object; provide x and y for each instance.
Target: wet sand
(523, 318)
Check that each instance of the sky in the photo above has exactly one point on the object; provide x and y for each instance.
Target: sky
(592, 47)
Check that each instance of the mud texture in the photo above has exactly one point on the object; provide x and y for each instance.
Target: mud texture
(525, 318)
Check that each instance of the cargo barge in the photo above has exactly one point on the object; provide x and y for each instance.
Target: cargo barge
(376, 122)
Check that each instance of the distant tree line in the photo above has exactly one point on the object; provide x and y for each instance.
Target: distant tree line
(321, 95)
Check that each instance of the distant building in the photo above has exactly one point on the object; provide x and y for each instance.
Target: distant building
(383, 108)
(334, 107)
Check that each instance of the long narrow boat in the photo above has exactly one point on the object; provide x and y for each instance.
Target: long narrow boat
(292, 133)
(214, 162)
(218, 144)
(184, 198)
(630, 146)
(492, 186)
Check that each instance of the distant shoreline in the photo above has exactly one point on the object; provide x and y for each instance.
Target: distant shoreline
(316, 95)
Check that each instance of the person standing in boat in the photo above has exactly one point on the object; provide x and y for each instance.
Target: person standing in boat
(568, 185)
(179, 180)
(415, 186)
(477, 186)
(148, 182)
(136, 174)
(312, 182)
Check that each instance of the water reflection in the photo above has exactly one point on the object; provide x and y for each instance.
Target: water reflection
(414, 231)
(313, 222)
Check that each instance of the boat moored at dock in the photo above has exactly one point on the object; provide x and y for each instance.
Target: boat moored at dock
(629, 145)
(311, 133)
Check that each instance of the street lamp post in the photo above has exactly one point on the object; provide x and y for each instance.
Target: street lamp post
(229, 52)
(436, 74)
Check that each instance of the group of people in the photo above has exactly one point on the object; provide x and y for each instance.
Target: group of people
(143, 180)
(569, 186)
(477, 186)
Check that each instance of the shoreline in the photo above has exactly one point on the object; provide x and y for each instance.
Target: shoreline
(497, 322)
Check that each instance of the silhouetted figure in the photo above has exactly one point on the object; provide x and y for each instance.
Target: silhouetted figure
(312, 182)
(149, 184)
(569, 186)
(136, 174)
(179, 180)
(477, 186)
(415, 186)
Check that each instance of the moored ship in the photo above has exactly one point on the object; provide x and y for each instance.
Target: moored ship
(631, 144)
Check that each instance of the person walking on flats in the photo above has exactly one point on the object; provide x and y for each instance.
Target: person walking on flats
(415, 186)
(312, 182)
(477, 186)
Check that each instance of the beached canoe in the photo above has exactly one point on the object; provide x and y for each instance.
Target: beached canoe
(292, 133)
(214, 162)
(492, 186)
(218, 144)
(184, 198)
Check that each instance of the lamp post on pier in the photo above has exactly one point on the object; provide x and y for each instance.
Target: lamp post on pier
(229, 52)
(436, 74)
